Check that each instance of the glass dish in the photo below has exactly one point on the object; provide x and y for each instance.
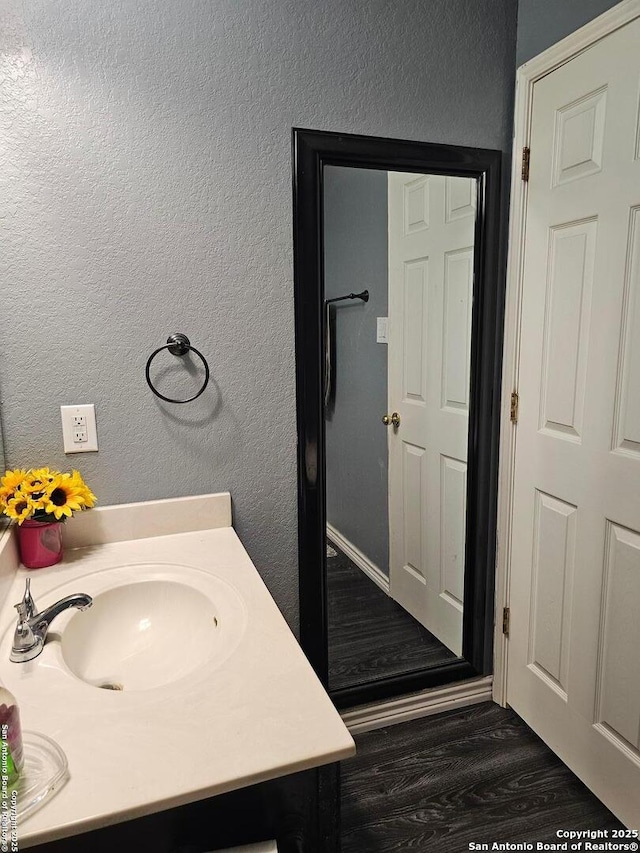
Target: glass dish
(45, 771)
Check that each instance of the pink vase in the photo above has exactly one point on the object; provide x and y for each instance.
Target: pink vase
(40, 543)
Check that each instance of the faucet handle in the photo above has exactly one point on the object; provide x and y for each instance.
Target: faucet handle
(22, 611)
(27, 606)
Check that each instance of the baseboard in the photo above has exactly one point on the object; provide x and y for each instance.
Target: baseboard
(358, 558)
(418, 705)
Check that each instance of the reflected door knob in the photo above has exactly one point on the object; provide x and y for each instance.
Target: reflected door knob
(391, 419)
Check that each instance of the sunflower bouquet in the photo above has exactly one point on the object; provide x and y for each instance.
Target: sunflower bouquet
(44, 495)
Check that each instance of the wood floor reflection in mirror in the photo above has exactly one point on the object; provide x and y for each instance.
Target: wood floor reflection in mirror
(370, 635)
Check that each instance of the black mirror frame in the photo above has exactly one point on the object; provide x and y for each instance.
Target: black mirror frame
(312, 150)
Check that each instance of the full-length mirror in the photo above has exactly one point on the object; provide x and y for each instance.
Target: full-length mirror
(397, 385)
(397, 318)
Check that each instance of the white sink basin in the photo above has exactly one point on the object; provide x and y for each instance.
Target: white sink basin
(143, 635)
(150, 626)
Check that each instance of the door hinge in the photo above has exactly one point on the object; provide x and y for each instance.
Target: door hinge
(526, 156)
(506, 615)
(515, 402)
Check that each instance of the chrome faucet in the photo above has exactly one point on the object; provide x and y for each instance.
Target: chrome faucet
(31, 630)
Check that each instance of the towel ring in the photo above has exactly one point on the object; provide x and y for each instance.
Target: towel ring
(180, 345)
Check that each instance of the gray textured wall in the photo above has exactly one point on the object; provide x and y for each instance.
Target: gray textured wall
(355, 258)
(542, 23)
(146, 188)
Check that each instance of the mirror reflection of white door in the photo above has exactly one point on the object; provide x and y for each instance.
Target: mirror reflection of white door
(573, 666)
(431, 236)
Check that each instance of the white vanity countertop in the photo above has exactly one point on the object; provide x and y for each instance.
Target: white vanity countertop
(260, 714)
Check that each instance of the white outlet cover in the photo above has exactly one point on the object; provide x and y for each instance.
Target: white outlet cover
(68, 428)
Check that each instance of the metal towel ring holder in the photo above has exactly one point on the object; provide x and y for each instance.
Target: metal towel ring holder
(177, 344)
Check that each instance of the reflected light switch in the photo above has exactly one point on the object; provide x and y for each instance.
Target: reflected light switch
(383, 325)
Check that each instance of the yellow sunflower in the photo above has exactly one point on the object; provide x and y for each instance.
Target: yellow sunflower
(44, 475)
(9, 483)
(84, 492)
(38, 480)
(64, 495)
(36, 485)
(19, 507)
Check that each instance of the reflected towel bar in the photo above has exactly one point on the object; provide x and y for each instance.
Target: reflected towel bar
(364, 296)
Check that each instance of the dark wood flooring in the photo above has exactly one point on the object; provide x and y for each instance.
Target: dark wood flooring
(370, 636)
(472, 775)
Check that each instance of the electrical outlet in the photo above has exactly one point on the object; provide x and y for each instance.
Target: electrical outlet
(79, 428)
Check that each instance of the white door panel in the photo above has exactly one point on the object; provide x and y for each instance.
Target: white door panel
(627, 416)
(431, 234)
(574, 668)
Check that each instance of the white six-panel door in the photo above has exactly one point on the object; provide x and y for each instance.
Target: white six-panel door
(431, 234)
(574, 651)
